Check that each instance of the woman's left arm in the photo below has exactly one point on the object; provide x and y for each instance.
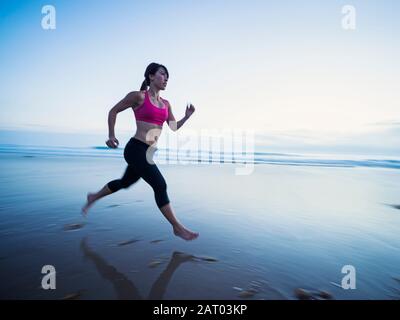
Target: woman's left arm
(175, 125)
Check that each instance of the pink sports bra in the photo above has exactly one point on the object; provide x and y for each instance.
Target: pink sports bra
(148, 112)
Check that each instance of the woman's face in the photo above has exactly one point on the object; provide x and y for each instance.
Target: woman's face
(160, 78)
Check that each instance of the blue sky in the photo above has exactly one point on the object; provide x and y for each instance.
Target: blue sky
(278, 67)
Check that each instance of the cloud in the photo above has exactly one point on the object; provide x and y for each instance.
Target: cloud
(384, 139)
(390, 123)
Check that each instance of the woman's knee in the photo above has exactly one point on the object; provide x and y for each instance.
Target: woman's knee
(127, 183)
(160, 185)
(114, 185)
(118, 184)
(161, 198)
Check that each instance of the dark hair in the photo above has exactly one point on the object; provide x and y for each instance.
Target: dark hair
(152, 68)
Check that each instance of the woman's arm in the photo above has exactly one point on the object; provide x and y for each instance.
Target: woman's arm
(172, 123)
(132, 99)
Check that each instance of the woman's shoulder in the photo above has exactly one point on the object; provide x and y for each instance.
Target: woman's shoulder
(166, 102)
(137, 98)
(135, 95)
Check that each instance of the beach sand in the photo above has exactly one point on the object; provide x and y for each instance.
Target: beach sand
(262, 236)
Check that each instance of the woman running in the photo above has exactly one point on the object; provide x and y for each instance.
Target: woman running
(150, 111)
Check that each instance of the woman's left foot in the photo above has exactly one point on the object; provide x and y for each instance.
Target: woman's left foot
(185, 234)
(90, 199)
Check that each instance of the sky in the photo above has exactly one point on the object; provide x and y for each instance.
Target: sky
(281, 68)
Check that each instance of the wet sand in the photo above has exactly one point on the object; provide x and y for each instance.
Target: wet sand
(262, 236)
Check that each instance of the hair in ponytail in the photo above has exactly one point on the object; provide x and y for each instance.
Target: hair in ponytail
(144, 85)
(152, 68)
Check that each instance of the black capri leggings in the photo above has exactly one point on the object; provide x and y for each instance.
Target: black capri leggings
(138, 167)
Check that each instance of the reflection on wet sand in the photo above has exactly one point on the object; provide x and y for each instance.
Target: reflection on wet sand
(394, 291)
(124, 288)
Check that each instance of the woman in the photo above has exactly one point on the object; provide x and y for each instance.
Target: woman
(150, 111)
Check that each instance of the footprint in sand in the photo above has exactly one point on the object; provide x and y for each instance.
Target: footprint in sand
(394, 206)
(259, 287)
(247, 293)
(255, 288)
(124, 243)
(208, 259)
(157, 241)
(73, 296)
(113, 205)
(303, 294)
(73, 226)
(154, 263)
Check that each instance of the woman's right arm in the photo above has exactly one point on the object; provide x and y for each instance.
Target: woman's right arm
(131, 100)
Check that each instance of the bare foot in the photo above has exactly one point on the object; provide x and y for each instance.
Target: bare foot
(90, 200)
(184, 233)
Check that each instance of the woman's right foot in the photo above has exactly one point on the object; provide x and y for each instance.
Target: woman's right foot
(185, 234)
(90, 200)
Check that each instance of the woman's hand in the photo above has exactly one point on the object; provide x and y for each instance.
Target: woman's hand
(112, 142)
(189, 110)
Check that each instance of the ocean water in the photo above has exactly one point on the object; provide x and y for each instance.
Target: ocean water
(293, 222)
(183, 156)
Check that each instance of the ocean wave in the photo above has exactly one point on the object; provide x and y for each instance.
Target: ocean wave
(180, 156)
